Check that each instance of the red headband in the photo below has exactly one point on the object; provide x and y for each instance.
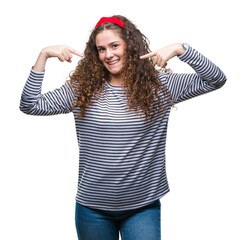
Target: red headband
(110, 19)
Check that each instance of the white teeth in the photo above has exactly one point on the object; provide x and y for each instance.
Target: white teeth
(113, 62)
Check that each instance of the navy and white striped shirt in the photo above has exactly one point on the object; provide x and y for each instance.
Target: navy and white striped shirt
(121, 156)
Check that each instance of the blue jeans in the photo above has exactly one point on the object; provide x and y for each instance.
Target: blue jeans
(138, 224)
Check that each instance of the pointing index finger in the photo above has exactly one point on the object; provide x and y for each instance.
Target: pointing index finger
(148, 55)
(73, 51)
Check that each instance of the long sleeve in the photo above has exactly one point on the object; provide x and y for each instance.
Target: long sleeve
(208, 77)
(54, 102)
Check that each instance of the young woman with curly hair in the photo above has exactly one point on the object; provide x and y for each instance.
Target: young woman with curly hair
(138, 78)
(121, 105)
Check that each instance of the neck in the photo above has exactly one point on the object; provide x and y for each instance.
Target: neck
(116, 80)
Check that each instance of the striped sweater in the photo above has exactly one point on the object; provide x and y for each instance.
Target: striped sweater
(121, 156)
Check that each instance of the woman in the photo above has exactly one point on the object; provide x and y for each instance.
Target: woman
(121, 105)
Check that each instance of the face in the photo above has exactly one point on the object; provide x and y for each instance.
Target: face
(111, 48)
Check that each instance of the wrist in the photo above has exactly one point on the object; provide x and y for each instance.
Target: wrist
(39, 66)
(179, 49)
(43, 54)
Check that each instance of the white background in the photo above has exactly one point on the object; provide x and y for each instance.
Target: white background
(206, 135)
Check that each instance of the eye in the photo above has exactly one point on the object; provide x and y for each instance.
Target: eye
(100, 49)
(115, 45)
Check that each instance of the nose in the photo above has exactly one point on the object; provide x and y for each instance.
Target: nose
(109, 53)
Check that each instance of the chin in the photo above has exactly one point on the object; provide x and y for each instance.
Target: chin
(115, 71)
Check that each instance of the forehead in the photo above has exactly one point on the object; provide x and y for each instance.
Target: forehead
(107, 36)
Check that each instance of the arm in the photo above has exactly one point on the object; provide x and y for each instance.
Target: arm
(53, 102)
(208, 76)
(50, 103)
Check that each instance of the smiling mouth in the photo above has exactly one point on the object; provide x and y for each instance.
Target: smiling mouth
(113, 62)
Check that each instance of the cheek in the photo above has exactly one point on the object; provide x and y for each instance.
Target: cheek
(123, 53)
(100, 57)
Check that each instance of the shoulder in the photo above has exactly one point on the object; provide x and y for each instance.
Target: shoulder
(164, 76)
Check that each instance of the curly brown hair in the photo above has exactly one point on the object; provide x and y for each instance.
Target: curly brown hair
(141, 83)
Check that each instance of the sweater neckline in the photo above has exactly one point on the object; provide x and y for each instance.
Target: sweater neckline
(114, 87)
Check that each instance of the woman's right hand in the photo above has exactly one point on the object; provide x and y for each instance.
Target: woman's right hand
(62, 52)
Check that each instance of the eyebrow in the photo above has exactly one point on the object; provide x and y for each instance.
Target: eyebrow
(109, 43)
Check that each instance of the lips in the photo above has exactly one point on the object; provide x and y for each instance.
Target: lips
(113, 62)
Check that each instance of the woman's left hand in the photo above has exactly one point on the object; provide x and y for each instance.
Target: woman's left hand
(162, 55)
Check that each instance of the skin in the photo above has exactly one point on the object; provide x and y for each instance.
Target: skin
(62, 52)
(111, 49)
(163, 55)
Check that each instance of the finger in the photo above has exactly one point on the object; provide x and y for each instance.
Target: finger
(65, 55)
(148, 55)
(60, 57)
(73, 51)
(68, 53)
(155, 61)
(158, 63)
(163, 63)
(70, 56)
